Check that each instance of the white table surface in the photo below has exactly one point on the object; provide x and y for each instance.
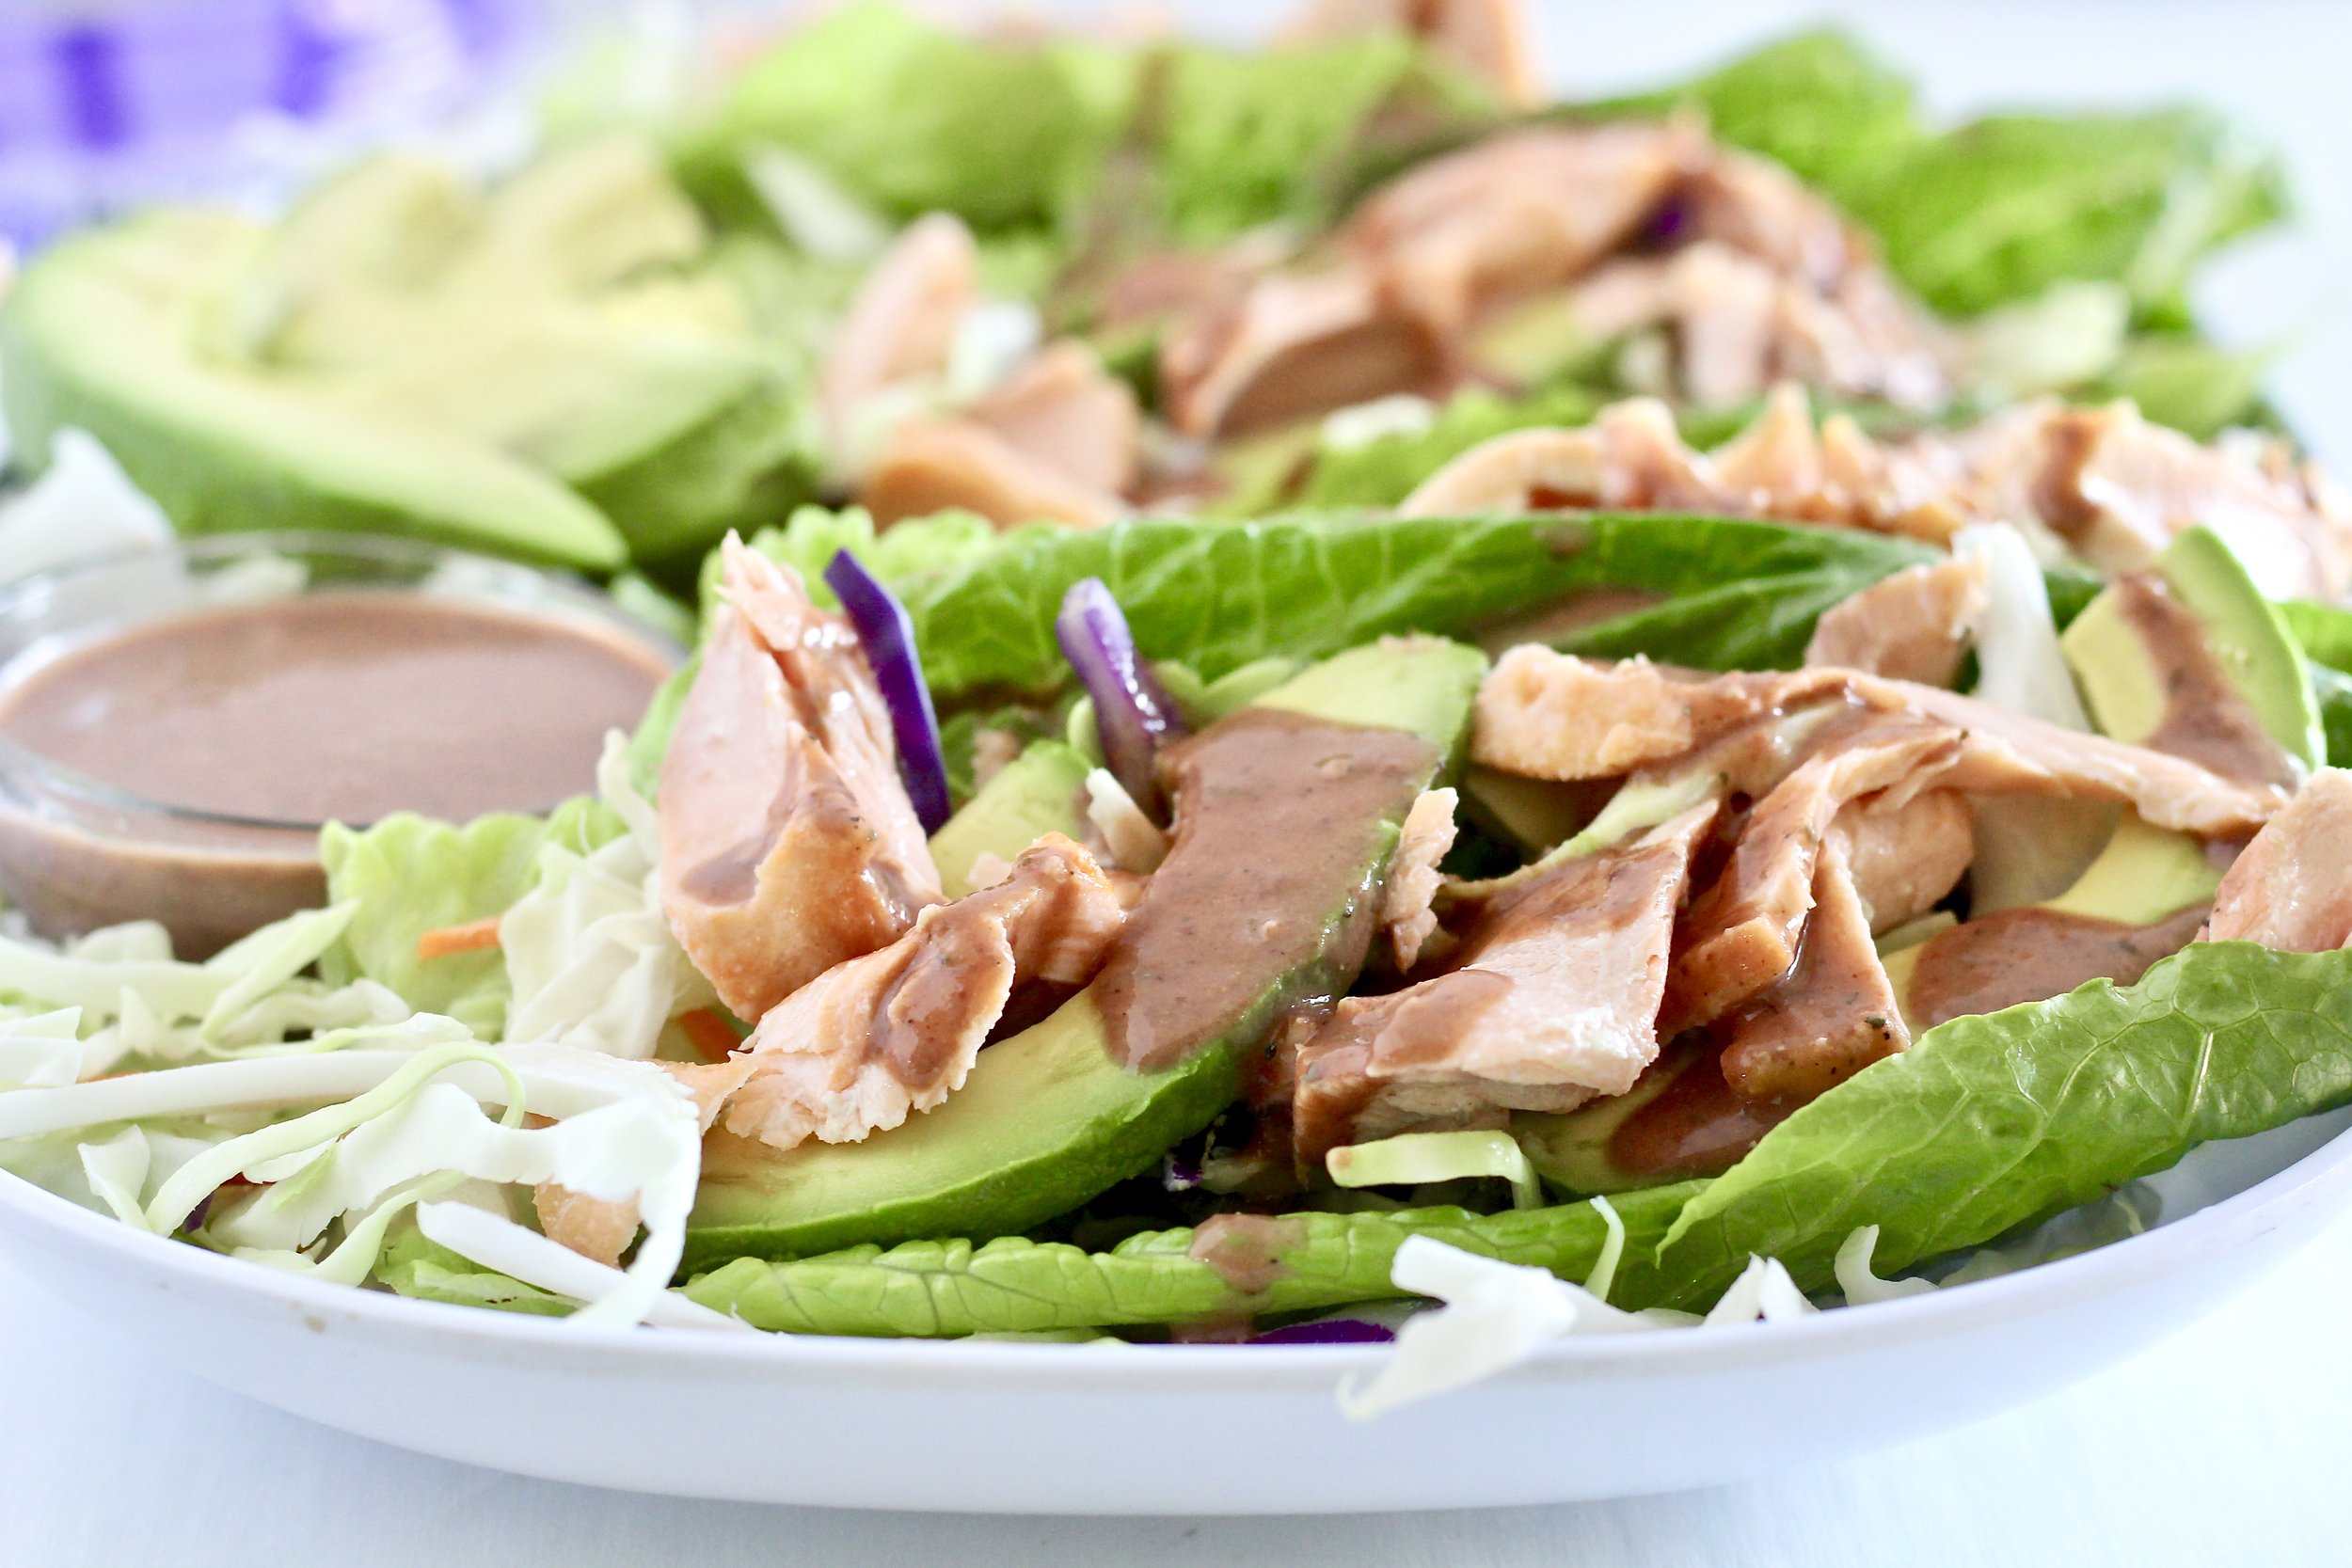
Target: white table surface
(2226, 1446)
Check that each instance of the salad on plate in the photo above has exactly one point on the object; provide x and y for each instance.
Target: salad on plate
(1392, 712)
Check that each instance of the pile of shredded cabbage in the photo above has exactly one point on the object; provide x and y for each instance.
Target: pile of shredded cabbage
(246, 1107)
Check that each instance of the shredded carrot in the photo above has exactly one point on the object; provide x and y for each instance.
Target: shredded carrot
(474, 936)
(710, 1034)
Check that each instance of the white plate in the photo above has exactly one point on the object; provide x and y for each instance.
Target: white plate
(1191, 1429)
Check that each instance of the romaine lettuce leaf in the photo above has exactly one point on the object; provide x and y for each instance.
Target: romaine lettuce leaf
(413, 1264)
(1989, 1121)
(2001, 208)
(1219, 595)
(2179, 379)
(813, 535)
(911, 118)
(953, 1287)
(1241, 139)
(1816, 102)
(408, 874)
(2324, 630)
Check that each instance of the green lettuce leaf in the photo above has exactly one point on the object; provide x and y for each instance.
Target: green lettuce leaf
(1012, 1285)
(2325, 634)
(2324, 630)
(813, 535)
(1991, 1121)
(912, 118)
(409, 874)
(1218, 595)
(2002, 208)
(1817, 102)
(415, 1265)
(2180, 380)
(1241, 139)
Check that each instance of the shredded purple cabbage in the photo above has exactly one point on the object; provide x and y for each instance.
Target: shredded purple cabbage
(888, 636)
(1179, 1173)
(1133, 712)
(1336, 1331)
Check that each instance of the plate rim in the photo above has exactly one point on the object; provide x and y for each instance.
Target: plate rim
(1204, 1368)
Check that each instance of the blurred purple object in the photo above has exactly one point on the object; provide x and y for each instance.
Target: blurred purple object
(105, 104)
(1336, 1331)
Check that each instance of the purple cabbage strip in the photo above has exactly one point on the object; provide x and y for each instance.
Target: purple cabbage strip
(888, 635)
(1336, 1331)
(1133, 712)
(1179, 1173)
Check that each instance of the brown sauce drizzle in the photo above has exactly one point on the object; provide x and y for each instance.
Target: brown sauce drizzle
(1699, 1126)
(1246, 1250)
(2029, 955)
(1279, 818)
(2205, 719)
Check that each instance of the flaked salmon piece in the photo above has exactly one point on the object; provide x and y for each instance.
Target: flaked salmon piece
(1513, 472)
(788, 844)
(2117, 490)
(901, 322)
(2291, 888)
(1737, 324)
(1914, 626)
(877, 1038)
(1725, 312)
(927, 465)
(1405, 912)
(1520, 213)
(2103, 483)
(1644, 462)
(1633, 457)
(1296, 345)
(1835, 1012)
(1630, 457)
(1485, 39)
(1757, 206)
(2008, 753)
(1905, 855)
(709, 1082)
(1776, 464)
(1065, 412)
(591, 1226)
(1742, 934)
(1550, 715)
(1552, 998)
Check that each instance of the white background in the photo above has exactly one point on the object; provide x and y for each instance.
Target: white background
(2228, 1446)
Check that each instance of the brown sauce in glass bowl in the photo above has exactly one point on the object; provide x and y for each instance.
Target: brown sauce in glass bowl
(218, 740)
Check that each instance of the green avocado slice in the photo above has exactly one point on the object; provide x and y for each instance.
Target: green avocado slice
(101, 333)
(2245, 633)
(1036, 793)
(1049, 1117)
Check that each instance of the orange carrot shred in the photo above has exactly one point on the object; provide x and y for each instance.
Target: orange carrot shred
(710, 1034)
(474, 936)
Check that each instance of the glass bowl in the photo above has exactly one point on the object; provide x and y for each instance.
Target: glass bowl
(79, 852)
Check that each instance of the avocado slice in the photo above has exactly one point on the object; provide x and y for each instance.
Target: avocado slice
(1531, 814)
(1034, 794)
(100, 334)
(555, 369)
(2244, 631)
(1049, 1117)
